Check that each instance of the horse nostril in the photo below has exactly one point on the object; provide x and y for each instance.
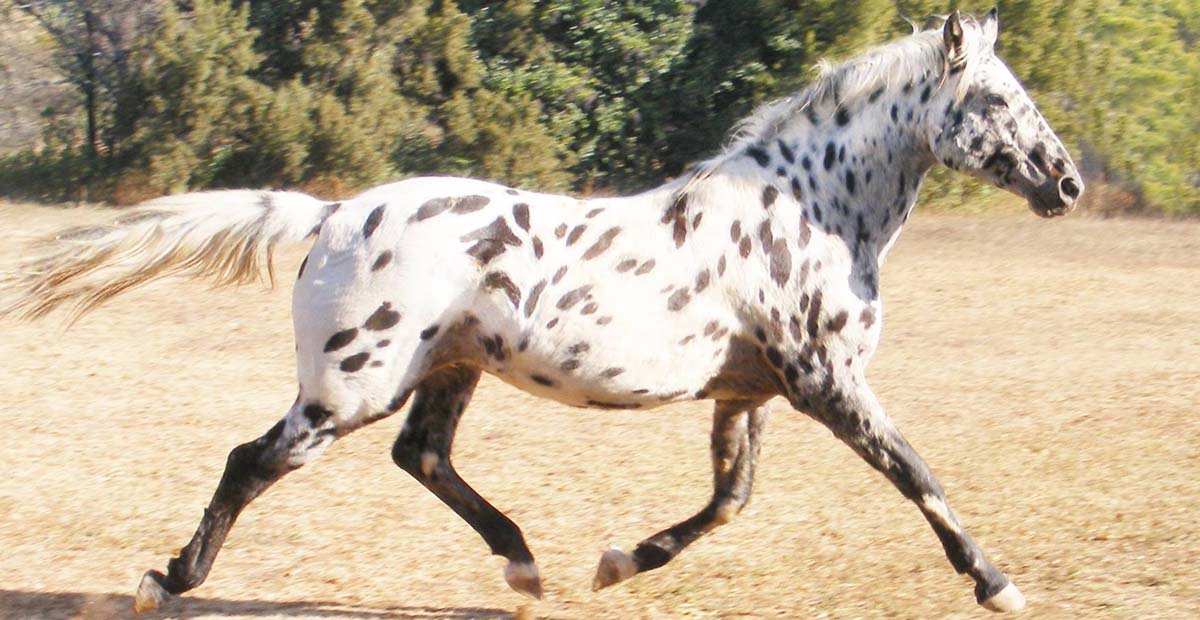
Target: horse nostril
(1069, 187)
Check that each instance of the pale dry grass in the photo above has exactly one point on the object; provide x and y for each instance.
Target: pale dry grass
(1049, 371)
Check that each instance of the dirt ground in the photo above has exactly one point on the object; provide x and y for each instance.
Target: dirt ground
(1049, 372)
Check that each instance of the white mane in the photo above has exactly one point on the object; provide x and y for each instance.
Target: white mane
(846, 83)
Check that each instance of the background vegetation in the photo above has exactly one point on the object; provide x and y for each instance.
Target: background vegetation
(331, 96)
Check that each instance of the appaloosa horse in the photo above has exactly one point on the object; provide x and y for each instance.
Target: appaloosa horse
(755, 275)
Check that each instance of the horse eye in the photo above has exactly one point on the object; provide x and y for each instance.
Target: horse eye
(996, 100)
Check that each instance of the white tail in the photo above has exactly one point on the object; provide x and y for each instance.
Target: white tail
(228, 236)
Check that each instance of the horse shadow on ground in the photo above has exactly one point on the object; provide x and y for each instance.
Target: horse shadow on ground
(20, 605)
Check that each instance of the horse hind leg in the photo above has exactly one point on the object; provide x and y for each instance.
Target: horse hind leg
(736, 441)
(423, 450)
(302, 435)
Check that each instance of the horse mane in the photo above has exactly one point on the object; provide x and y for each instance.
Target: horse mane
(843, 85)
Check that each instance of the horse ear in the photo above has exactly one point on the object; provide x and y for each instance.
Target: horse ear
(991, 26)
(952, 33)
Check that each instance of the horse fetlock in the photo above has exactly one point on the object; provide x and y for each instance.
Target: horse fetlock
(615, 566)
(524, 578)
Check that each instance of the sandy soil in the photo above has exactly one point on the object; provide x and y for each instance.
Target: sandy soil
(1049, 371)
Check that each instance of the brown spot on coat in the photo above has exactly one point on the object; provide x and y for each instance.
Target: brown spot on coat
(383, 318)
(341, 339)
(573, 296)
(765, 235)
(534, 294)
(711, 327)
(431, 208)
(429, 332)
(794, 327)
(537, 247)
(837, 322)
(735, 231)
(602, 244)
(702, 280)
(372, 222)
(569, 365)
(744, 247)
(355, 362)
(498, 280)
(469, 204)
(814, 314)
(721, 265)
(382, 261)
(558, 275)
(867, 317)
(610, 373)
(781, 262)
(559, 231)
(578, 348)
(805, 231)
(678, 300)
(590, 308)
(645, 268)
(490, 240)
(594, 213)
(542, 380)
(576, 233)
(521, 215)
(626, 265)
(769, 195)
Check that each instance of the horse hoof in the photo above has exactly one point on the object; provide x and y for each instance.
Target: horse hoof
(1008, 599)
(150, 593)
(615, 566)
(524, 578)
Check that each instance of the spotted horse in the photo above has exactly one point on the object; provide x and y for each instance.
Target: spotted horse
(754, 275)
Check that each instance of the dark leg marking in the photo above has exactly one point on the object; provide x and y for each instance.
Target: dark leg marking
(736, 441)
(423, 449)
(859, 420)
(430, 332)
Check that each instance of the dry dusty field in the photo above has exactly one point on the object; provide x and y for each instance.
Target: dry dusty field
(1049, 371)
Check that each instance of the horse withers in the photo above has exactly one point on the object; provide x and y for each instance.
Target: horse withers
(754, 275)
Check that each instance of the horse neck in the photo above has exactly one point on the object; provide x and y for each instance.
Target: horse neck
(856, 168)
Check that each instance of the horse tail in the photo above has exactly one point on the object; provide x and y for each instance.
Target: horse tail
(227, 237)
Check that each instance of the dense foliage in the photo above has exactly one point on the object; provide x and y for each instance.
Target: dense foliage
(591, 95)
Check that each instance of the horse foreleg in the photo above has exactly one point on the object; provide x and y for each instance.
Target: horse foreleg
(423, 450)
(856, 417)
(736, 441)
